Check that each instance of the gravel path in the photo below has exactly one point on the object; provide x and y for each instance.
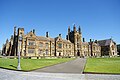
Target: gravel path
(74, 66)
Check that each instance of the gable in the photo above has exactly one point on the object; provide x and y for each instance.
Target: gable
(30, 34)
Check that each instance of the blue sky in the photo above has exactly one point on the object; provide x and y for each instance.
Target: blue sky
(99, 19)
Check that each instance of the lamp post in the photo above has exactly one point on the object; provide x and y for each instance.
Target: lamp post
(19, 44)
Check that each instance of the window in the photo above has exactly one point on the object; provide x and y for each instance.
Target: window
(40, 44)
(31, 43)
(52, 45)
(31, 50)
(63, 45)
(53, 51)
(69, 46)
(78, 45)
(24, 42)
(59, 45)
(93, 48)
(46, 51)
(46, 45)
(112, 47)
(66, 45)
(31, 35)
(40, 52)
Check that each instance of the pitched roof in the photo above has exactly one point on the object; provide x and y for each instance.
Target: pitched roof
(42, 38)
(66, 41)
(105, 42)
(85, 43)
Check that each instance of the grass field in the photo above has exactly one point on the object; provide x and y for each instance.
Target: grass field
(31, 64)
(103, 65)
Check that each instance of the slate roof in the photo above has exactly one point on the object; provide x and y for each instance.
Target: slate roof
(85, 43)
(42, 38)
(66, 41)
(105, 42)
(63, 40)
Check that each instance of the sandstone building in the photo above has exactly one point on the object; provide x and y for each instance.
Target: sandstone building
(73, 45)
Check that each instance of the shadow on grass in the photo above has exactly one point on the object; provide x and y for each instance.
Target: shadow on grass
(13, 66)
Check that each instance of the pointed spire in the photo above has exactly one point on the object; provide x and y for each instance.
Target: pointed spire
(74, 28)
(68, 33)
(15, 30)
(79, 29)
(68, 28)
(7, 41)
(11, 36)
(3, 46)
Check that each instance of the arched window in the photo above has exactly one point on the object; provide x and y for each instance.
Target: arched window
(59, 45)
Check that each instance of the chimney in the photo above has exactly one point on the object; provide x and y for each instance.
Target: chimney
(96, 41)
(33, 31)
(83, 39)
(90, 40)
(60, 35)
(79, 30)
(47, 34)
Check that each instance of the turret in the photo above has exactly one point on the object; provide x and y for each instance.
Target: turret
(83, 39)
(68, 36)
(11, 36)
(7, 41)
(20, 31)
(79, 30)
(74, 28)
(15, 31)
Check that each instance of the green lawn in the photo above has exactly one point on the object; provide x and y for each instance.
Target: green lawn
(31, 64)
(103, 65)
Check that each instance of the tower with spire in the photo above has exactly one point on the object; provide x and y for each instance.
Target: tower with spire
(75, 37)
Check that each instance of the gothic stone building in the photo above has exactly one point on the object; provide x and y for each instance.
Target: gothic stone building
(33, 45)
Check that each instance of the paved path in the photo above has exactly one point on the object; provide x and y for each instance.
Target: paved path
(75, 66)
(18, 75)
